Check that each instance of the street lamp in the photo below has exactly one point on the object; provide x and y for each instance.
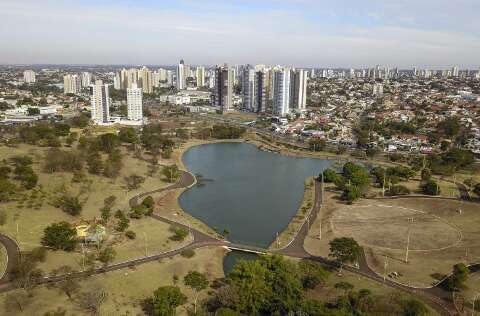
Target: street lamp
(473, 303)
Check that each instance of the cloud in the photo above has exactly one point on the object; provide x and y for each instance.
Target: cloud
(296, 32)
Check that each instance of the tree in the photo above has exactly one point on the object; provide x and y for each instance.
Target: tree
(344, 250)
(351, 193)
(110, 201)
(60, 236)
(412, 307)
(196, 281)
(69, 204)
(449, 127)
(459, 277)
(3, 217)
(149, 204)
(179, 233)
(7, 189)
(312, 274)
(430, 187)
(107, 255)
(166, 299)
(105, 213)
(317, 144)
(128, 135)
(426, 174)
(17, 301)
(33, 111)
(355, 174)
(344, 286)
(329, 175)
(67, 284)
(134, 181)
(92, 300)
(171, 172)
(471, 184)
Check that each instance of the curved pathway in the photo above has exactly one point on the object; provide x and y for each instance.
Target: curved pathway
(13, 252)
(436, 297)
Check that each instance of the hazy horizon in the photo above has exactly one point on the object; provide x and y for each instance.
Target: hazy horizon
(304, 33)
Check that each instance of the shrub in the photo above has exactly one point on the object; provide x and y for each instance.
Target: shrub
(398, 190)
(69, 204)
(60, 236)
(430, 188)
(188, 253)
(179, 233)
(130, 234)
(329, 175)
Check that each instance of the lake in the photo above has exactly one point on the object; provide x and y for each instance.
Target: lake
(251, 193)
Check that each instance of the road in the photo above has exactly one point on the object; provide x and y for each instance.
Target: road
(436, 297)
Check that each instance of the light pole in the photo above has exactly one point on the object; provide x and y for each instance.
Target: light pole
(473, 303)
(385, 270)
(408, 239)
(146, 244)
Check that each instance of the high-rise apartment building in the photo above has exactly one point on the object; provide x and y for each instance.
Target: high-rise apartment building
(86, 78)
(100, 102)
(200, 74)
(298, 90)
(145, 80)
(455, 71)
(72, 84)
(248, 88)
(29, 76)
(181, 79)
(281, 91)
(134, 103)
(224, 87)
(260, 98)
(377, 90)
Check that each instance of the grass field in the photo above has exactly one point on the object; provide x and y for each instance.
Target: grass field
(32, 212)
(472, 291)
(144, 279)
(328, 293)
(439, 235)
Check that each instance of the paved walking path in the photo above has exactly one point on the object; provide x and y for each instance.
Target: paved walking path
(436, 297)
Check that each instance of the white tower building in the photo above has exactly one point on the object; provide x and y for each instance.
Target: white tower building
(86, 79)
(281, 91)
(100, 102)
(200, 72)
(29, 76)
(134, 103)
(71, 84)
(181, 79)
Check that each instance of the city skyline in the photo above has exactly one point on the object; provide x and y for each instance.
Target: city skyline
(315, 33)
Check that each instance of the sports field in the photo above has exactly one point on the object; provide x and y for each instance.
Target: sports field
(438, 232)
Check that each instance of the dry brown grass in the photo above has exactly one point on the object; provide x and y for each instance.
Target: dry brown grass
(440, 236)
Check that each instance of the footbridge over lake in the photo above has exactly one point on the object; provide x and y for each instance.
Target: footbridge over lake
(246, 248)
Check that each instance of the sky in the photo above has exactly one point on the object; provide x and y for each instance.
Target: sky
(432, 34)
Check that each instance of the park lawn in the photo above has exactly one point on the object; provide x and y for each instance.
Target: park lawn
(158, 241)
(126, 288)
(425, 266)
(313, 244)
(472, 290)
(32, 212)
(289, 232)
(328, 293)
(447, 189)
(3, 259)
(150, 233)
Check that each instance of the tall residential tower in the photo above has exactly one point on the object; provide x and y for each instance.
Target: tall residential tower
(100, 102)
